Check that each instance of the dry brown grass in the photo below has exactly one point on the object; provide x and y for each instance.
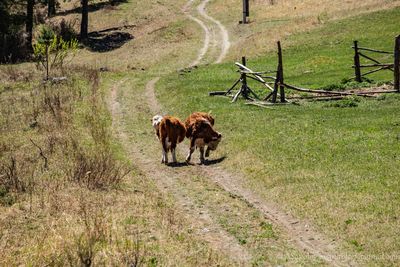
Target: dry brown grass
(270, 23)
(66, 198)
(160, 31)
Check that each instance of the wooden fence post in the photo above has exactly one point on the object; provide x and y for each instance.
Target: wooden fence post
(278, 74)
(247, 8)
(244, 21)
(357, 67)
(397, 64)
(244, 79)
(280, 67)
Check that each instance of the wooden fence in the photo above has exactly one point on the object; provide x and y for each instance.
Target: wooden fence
(359, 52)
(274, 80)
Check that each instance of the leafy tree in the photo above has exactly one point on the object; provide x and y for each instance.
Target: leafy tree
(50, 50)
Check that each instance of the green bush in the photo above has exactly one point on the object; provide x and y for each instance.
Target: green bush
(51, 50)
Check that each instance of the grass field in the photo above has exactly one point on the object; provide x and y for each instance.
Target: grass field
(67, 206)
(64, 198)
(337, 167)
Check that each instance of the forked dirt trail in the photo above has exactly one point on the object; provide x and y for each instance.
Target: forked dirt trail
(214, 33)
(166, 180)
(296, 232)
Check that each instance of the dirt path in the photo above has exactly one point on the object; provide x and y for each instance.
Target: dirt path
(202, 52)
(298, 233)
(224, 36)
(166, 180)
(214, 32)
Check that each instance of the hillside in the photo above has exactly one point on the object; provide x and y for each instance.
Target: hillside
(310, 184)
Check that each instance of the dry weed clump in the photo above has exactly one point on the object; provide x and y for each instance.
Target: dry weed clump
(56, 128)
(96, 230)
(55, 141)
(97, 169)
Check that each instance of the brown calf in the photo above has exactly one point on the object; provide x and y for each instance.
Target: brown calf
(200, 131)
(170, 131)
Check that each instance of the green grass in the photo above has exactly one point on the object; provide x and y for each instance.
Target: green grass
(249, 227)
(331, 165)
(324, 56)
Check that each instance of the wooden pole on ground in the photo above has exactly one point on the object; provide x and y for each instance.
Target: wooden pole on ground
(357, 67)
(397, 64)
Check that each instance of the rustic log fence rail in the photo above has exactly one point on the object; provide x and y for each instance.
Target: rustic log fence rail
(267, 79)
(358, 54)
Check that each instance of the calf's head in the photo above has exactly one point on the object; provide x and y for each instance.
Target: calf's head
(156, 121)
(203, 129)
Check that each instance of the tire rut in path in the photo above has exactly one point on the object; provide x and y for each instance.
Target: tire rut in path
(166, 180)
(225, 44)
(298, 233)
(220, 38)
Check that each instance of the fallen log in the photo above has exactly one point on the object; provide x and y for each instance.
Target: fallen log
(321, 91)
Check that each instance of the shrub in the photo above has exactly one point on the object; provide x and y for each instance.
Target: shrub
(97, 168)
(10, 180)
(51, 50)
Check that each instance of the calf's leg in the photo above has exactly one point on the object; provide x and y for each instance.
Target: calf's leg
(164, 151)
(191, 150)
(207, 152)
(173, 152)
(202, 160)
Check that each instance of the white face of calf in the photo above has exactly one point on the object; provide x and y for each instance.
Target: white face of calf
(156, 121)
(214, 144)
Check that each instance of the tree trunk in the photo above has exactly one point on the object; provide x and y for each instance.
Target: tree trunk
(51, 8)
(29, 23)
(85, 19)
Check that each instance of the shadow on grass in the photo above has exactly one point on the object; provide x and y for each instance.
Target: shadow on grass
(108, 39)
(178, 164)
(206, 163)
(92, 7)
(214, 161)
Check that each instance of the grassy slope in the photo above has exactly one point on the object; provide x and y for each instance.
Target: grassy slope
(336, 167)
(270, 23)
(266, 243)
(57, 219)
(55, 216)
(163, 38)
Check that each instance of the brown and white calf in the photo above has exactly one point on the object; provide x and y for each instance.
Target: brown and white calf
(170, 131)
(200, 131)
